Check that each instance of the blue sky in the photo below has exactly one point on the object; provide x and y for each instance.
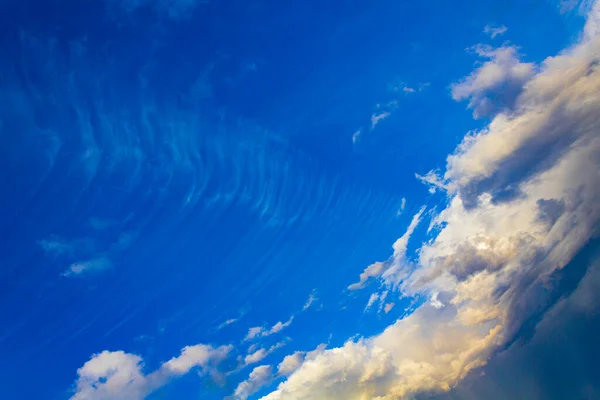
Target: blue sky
(298, 200)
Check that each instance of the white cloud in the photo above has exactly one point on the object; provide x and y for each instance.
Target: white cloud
(84, 267)
(495, 30)
(402, 207)
(397, 86)
(279, 326)
(372, 299)
(254, 332)
(376, 118)
(495, 86)
(259, 377)
(371, 271)
(388, 307)
(290, 363)
(116, 375)
(312, 297)
(356, 135)
(255, 356)
(259, 331)
(494, 253)
(227, 323)
(433, 181)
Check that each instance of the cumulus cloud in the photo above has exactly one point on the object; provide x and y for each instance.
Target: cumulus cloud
(371, 271)
(259, 377)
(522, 203)
(255, 356)
(116, 375)
(290, 363)
(495, 86)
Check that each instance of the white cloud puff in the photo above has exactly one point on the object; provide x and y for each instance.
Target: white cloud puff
(259, 377)
(523, 200)
(116, 375)
(495, 30)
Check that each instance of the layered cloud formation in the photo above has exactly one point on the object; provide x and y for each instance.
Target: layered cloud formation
(523, 201)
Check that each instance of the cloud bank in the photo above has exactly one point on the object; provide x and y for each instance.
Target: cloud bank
(523, 201)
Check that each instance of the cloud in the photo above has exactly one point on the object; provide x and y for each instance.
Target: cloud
(290, 363)
(372, 299)
(371, 271)
(227, 323)
(495, 86)
(495, 30)
(259, 377)
(255, 356)
(491, 269)
(56, 246)
(433, 181)
(559, 359)
(312, 297)
(398, 86)
(388, 307)
(376, 118)
(356, 135)
(279, 326)
(116, 375)
(89, 266)
(259, 331)
(402, 207)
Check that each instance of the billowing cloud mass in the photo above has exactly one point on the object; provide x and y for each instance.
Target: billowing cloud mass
(116, 375)
(494, 86)
(522, 203)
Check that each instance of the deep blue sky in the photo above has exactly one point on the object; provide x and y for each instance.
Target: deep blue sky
(168, 166)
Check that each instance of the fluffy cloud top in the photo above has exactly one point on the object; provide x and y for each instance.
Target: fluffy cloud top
(494, 86)
(259, 377)
(116, 375)
(523, 201)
